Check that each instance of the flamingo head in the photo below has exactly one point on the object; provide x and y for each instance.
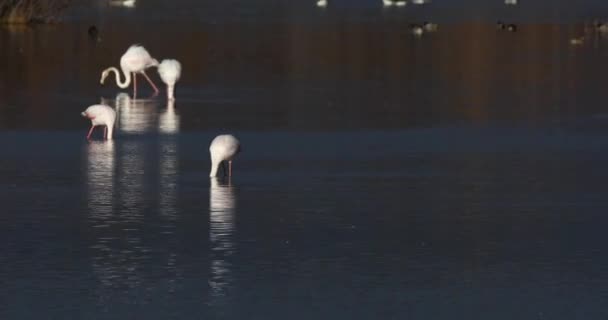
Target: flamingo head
(104, 75)
(86, 115)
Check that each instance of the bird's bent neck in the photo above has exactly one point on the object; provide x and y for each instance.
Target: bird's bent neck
(127, 74)
(215, 165)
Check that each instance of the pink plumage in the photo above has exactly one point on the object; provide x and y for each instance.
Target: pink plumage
(101, 115)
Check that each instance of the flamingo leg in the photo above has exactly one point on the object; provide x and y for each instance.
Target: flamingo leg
(90, 131)
(230, 168)
(105, 132)
(150, 81)
(134, 85)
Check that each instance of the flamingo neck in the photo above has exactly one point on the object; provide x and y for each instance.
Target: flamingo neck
(110, 127)
(215, 165)
(110, 131)
(127, 81)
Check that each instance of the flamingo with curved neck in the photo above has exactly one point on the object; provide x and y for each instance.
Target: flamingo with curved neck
(135, 60)
(120, 84)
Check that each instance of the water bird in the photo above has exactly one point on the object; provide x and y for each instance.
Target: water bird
(223, 148)
(416, 29)
(420, 1)
(135, 60)
(503, 26)
(101, 115)
(123, 3)
(398, 3)
(511, 2)
(170, 71)
(322, 3)
(429, 27)
(601, 27)
(577, 41)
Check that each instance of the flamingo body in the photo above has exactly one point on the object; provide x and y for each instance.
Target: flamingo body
(135, 60)
(417, 30)
(123, 3)
(223, 148)
(101, 115)
(170, 71)
(398, 3)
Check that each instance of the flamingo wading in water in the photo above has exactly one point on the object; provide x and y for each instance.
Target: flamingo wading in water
(170, 70)
(135, 60)
(101, 115)
(223, 148)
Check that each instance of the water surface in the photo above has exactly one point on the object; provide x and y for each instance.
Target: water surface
(456, 175)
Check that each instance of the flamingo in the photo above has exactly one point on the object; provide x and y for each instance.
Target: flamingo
(417, 30)
(429, 26)
(509, 27)
(101, 115)
(398, 3)
(135, 60)
(322, 3)
(223, 148)
(170, 70)
(123, 3)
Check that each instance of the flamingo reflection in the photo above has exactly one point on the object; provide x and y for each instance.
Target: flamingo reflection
(133, 115)
(168, 121)
(100, 181)
(222, 205)
(115, 201)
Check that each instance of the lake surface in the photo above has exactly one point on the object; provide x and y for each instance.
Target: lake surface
(457, 175)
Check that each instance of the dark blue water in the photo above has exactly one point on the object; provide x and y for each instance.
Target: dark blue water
(500, 223)
(460, 175)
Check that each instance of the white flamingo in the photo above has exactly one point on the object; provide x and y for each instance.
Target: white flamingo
(123, 3)
(170, 70)
(101, 115)
(398, 3)
(135, 60)
(223, 148)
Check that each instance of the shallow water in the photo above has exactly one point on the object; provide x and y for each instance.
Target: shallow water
(456, 175)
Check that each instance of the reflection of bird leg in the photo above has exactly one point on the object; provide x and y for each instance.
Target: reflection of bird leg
(150, 81)
(134, 85)
(90, 131)
(230, 168)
